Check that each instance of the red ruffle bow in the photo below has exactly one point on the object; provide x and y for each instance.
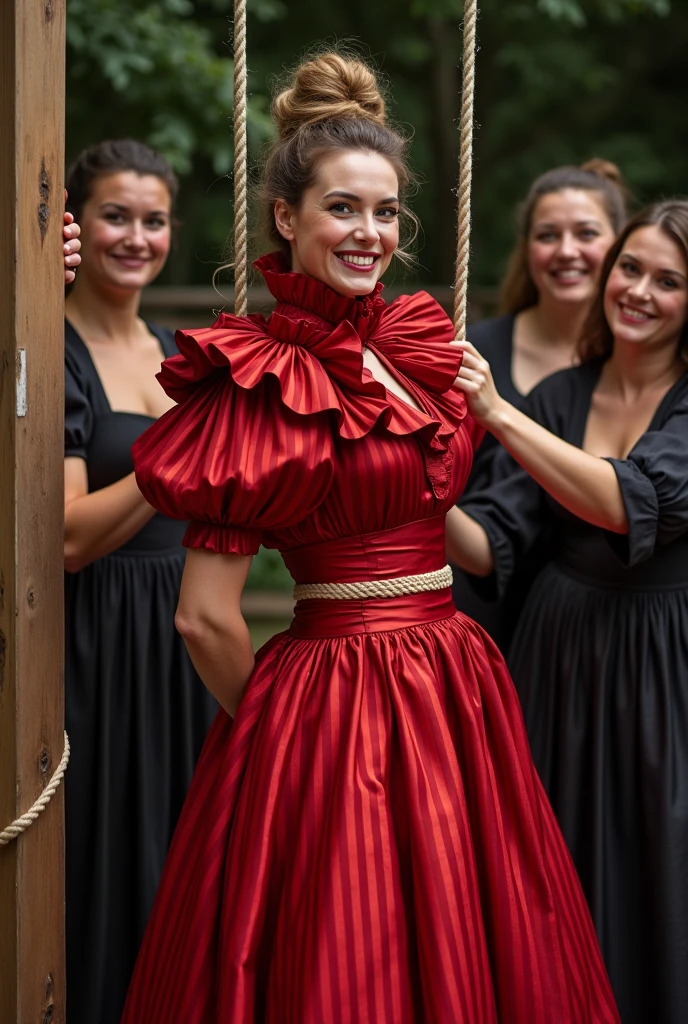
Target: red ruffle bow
(312, 344)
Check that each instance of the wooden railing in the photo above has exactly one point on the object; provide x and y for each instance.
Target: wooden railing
(195, 305)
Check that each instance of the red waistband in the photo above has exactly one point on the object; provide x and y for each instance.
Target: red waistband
(321, 619)
(406, 550)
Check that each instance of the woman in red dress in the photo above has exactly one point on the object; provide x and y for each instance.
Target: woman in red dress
(365, 839)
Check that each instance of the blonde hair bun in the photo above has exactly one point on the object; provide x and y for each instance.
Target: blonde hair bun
(328, 87)
(604, 169)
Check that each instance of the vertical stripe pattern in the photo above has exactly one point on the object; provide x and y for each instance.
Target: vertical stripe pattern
(367, 842)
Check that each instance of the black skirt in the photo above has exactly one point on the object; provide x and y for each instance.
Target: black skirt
(136, 713)
(606, 708)
(599, 657)
(137, 716)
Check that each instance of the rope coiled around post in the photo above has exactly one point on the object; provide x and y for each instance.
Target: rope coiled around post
(21, 824)
(439, 579)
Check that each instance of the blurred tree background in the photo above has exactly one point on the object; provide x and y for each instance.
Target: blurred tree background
(558, 81)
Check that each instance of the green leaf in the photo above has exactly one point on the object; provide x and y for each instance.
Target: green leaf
(564, 10)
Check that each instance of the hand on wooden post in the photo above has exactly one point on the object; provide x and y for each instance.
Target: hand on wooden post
(72, 245)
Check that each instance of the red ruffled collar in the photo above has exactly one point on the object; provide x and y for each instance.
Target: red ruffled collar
(303, 297)
(312, 344)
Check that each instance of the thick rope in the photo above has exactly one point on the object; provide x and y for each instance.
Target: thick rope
(366, 589)
(240, 162)
(21, 824)
(470, 16)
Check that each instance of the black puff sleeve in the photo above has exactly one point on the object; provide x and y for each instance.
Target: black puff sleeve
(513, 509)
(654, 485)
(513, 513)
(78, 415)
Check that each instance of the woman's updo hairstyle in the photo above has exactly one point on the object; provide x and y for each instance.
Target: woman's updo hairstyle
(328, 88)
(602, 177)
(333, 103)
(112, 156)
(670, 216)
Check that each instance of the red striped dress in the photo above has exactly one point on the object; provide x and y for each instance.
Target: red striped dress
(367, 842)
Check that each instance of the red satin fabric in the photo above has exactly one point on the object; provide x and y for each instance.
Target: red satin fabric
(407, 550)
(388, 554)
(368, 842)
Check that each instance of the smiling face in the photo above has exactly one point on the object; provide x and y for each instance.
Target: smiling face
(125, 231)
(569, 236)
(346, 227)
(646, 296)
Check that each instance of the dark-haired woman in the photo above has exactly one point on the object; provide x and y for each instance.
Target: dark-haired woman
(567, 223)
(136, 712)
(367, 841)
(600, 652)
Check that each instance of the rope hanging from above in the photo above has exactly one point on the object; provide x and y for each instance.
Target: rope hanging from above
(470, 17)
(240, 163)
(465, 165)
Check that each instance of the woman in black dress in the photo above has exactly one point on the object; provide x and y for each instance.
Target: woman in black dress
(600, 652)
(136, 712)
(568, 220)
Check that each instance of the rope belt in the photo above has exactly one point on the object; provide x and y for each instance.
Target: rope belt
(366, 589)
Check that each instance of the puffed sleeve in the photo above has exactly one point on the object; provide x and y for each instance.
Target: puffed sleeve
(654, 485)
(235, 462)
(78, 416)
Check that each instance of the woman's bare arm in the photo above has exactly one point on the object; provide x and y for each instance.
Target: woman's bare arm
(467, 544)
(210, 620)
(584, 484)
(99, 522)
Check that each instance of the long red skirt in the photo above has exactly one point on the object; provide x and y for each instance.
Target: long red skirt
(368, 843)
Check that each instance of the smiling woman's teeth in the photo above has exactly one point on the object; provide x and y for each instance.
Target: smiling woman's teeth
(635, 314)
(360, 261)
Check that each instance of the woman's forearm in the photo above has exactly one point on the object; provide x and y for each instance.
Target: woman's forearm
(100, 522)
(584, 484)
(467, 544)
(210, 620)
(222, 655)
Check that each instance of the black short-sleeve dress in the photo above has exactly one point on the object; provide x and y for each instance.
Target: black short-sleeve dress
(136, 712)
(600, 660)
(494, 339)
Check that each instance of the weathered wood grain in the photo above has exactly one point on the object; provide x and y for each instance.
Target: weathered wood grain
(32, 54)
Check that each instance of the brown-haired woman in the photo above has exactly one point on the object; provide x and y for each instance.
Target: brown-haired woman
(600, 652)
(368, 839)
(566, 224)
(136, 711)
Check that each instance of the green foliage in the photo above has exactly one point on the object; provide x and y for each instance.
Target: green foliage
(577, 13)
(157, 72)
(268, 572)
(558, 81)
(560, 90)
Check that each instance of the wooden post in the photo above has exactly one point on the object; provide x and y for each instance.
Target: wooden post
(32, 69)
